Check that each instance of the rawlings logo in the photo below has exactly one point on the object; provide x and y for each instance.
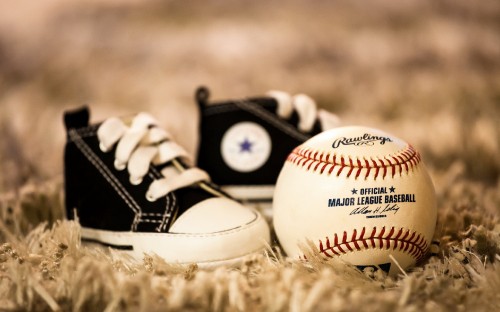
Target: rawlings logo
(366, 139)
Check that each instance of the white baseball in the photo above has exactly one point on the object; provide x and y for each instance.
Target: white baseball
(361, 194)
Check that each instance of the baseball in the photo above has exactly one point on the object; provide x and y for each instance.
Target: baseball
(360, 194)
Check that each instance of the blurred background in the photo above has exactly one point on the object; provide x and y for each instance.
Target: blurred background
(427, 71)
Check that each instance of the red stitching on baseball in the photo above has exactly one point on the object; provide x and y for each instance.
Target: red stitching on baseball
(359, 169)
(415, 245)
(383, 167)
(368, 167)
(323, 169)
(403, 161)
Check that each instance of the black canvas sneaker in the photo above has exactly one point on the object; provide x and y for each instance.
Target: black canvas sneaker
(131, 187)
(244, 143)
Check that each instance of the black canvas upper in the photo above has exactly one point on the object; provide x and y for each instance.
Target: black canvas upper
(216, 118)
(103, 197)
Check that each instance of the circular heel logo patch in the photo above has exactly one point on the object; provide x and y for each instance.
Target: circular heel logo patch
(245, 147)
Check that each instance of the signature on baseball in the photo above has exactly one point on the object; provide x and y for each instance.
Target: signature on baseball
(378, 212)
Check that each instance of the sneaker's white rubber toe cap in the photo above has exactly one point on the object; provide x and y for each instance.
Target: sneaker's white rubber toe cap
(213, 232)
(212, 216)
(217, 230)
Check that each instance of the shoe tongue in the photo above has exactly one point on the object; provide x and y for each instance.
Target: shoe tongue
(188, 196)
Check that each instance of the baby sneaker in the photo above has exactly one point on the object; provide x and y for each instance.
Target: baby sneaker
(244, 143)
(131, 187)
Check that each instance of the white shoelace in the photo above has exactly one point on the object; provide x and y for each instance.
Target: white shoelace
(306, 108)
(141, 144)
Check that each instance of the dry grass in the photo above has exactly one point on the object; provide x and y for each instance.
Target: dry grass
(46, 268)
(427, 71)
